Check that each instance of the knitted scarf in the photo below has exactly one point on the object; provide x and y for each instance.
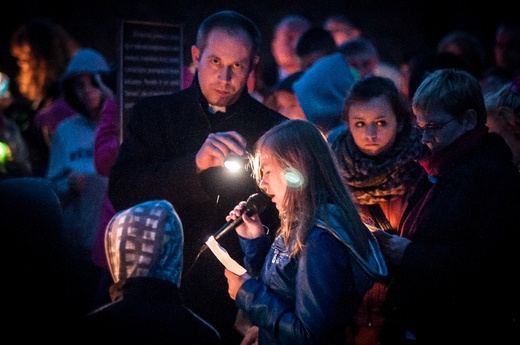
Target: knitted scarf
(376, 179)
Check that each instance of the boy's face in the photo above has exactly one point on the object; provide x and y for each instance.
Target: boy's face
(439, 129)
(224, 66)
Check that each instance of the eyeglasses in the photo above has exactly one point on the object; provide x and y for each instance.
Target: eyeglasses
(433, 127)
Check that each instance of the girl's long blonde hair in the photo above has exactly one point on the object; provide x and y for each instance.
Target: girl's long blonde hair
(313, 179)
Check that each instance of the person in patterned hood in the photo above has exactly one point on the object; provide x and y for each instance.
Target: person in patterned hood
(144, 252)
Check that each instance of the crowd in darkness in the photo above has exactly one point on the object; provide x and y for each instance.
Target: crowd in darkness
(380, 152)
(399, 28)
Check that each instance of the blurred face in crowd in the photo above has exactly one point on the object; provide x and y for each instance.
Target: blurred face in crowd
(287, 104)
(283, 47)
(341, 31)
(363, 63)
(507, 48)
(373, 125)
(88, 93)
(223, 66)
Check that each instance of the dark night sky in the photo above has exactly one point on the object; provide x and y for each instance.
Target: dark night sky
(399, 28)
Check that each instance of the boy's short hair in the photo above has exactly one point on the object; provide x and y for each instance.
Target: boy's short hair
(453, 91)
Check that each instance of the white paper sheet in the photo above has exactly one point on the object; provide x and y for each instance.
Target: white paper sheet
(223, 256)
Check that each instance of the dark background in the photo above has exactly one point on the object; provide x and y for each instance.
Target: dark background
(399, 28)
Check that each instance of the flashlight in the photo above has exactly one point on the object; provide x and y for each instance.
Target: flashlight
(234, 162)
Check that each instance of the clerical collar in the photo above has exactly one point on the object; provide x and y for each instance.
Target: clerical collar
(214, 108)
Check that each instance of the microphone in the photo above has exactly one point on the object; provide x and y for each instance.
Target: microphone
(256, 203)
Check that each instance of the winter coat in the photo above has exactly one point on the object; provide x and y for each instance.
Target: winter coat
(312, 297)
(455, 283)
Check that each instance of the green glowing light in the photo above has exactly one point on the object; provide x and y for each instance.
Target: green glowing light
(5, 153)
(293, 178)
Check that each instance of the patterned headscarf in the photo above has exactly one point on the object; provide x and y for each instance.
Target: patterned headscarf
(373, 180)
(145, 241)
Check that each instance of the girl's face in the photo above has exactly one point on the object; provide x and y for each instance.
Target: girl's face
(88, 93)
(373, 125)
(273, 181)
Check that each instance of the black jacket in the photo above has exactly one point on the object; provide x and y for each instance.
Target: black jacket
(150, 312)
(157, 161)
(456, 281)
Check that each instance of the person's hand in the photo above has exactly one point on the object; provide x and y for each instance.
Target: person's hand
(392, 246)
(216, 147)
(235, 282)
(251, 227)
(251, 336)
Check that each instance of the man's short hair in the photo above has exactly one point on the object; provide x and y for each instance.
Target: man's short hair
(233, 22)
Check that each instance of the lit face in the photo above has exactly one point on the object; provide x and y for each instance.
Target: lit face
(373, 125)
(89, 94)
(224, 66)
(287, 104)
(439, 129)
(273, 181)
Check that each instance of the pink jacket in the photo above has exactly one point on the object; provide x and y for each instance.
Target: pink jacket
(50, 117)
(106, 145)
